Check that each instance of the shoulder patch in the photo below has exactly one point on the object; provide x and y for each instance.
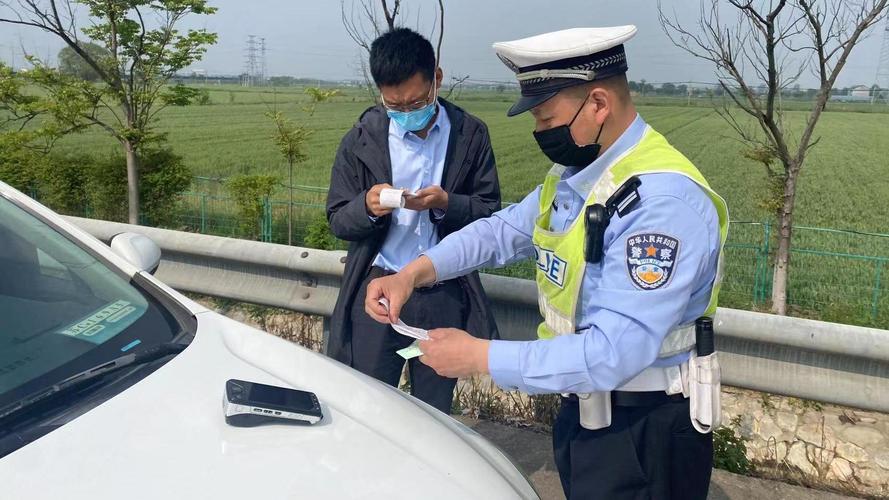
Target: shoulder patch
(651, 259)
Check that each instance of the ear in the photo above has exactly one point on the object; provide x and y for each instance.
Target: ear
(439, 75)
(602, 104)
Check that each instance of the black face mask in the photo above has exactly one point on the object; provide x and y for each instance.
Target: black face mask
(558, 145)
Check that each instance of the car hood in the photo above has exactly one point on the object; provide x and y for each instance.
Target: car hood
(166, 437)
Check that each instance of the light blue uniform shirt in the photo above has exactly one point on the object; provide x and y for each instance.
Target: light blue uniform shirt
(416, 163)
(620, 327)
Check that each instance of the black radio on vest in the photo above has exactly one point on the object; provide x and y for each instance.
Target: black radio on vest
(704, 338)
(597, 217)
(596, 221)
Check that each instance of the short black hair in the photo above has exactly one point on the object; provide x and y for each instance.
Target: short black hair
(397, 55)
(617, 84)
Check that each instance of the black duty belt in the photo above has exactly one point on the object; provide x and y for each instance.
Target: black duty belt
(630, 398)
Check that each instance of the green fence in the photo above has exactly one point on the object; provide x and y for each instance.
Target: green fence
(835, 275)
(219, 215)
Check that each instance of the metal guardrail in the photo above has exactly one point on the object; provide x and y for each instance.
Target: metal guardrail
(827, 362)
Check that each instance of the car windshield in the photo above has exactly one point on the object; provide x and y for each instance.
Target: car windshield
(62, 310)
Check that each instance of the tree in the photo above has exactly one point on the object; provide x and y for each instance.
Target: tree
(363, 25)
(282, 81)
(318, 94)
(251, 192)
(290, 139)
(456, 84)
(30, 123)
(771, 44)
(668, 89)
(145, 50)
(70, 62)
(180, 95)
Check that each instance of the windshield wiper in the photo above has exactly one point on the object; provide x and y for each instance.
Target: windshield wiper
(79, 379)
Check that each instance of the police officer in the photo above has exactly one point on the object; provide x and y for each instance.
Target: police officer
(627, 237)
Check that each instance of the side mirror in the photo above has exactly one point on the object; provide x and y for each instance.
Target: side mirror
(138, 249)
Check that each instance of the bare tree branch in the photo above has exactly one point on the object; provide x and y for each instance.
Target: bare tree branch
(390, 17)
(440, 34)
(865, 19)
(51, 22)
(368, 84)
(353, 28)
(363, 25)
(456, 82)
(818, 40)
(22, 23)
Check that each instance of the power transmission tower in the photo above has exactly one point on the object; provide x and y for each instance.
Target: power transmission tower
(263, 72)
(882, 80)
(251, 64)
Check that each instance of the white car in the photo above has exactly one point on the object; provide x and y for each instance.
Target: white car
(111, 386)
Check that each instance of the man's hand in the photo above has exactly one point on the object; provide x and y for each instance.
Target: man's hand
(396, 288)
(372, 201)
(427, 198)
(454, 353)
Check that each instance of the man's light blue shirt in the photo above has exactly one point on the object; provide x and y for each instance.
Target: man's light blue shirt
(416, 163)
(620, 327)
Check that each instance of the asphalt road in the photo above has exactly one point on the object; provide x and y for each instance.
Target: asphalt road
(532, 452)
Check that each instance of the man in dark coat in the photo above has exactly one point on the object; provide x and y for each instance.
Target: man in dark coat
(441, 157)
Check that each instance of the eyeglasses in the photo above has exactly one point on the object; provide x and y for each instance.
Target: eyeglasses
(407, 108)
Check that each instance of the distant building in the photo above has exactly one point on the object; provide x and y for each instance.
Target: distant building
(861, 91)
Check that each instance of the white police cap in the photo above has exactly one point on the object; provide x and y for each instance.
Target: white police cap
(547, 63)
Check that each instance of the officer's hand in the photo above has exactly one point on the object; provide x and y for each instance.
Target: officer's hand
(427, 198)
(396, 288)
(372, 201)
(454, 353)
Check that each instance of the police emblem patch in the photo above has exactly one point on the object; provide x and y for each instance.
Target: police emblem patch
(651, 259)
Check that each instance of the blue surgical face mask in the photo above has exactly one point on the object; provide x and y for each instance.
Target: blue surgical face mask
(417, 119)
(413, 120)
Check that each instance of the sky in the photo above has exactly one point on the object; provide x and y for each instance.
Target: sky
(307, 39)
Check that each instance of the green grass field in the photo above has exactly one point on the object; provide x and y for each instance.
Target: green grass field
(838, 276)
(843, 185)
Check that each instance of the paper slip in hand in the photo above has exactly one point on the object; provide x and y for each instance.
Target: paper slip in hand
(400, 327)
(411, 351)
(392, 198)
